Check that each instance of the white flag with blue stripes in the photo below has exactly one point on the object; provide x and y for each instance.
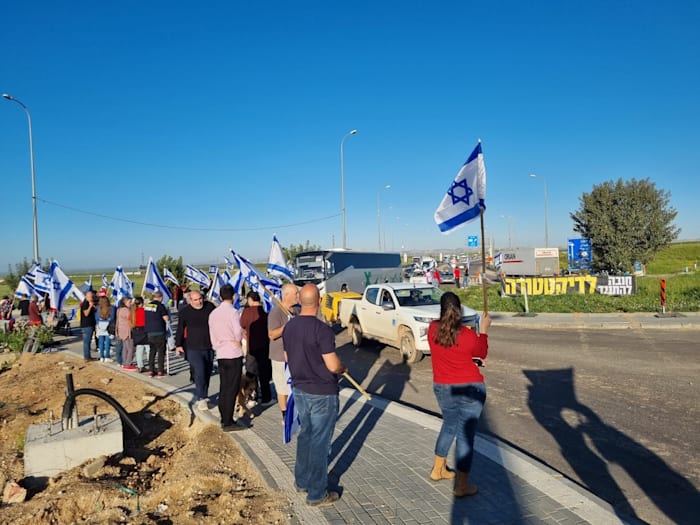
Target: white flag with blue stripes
(121, 285)
(61, 287)
(257, 282)
(170, 276)
(465, 198)
(153, 281)
(42, 280)
(277, 264)
(25, 288)
(197, 276)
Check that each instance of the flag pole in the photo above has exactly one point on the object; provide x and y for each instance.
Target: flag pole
(483, 262)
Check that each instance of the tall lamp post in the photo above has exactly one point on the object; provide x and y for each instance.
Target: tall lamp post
(342, 184)
(510, 223)
(546, 229)
(379, 222)
(31, 160)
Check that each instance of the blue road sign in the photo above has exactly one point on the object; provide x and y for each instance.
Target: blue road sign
(580, 256)
(472, 241)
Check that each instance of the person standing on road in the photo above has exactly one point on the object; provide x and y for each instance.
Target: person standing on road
(157, 319)
(314, 367)
(226, 335)
(138, 333)
(87, 322)
(194, 320)
(278, 317)
(458, 276)
(123, 333)
(459, 388)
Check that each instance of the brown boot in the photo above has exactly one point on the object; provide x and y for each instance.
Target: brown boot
(462, 485)
(440, 470)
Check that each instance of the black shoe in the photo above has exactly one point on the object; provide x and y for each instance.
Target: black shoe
(331, 497)
(233, 427)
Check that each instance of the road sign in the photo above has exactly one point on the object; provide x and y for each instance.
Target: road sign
(580, 256)
(472, 241)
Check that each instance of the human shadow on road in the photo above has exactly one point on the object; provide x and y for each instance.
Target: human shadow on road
(388, 382)
(553, 403)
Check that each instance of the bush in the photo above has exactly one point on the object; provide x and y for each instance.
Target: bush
(21, 332)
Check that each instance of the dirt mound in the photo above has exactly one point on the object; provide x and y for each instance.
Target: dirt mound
(178, 471)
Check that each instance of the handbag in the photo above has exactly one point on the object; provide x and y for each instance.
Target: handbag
(139, 335)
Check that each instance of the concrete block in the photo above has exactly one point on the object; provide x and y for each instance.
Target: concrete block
(50, 450)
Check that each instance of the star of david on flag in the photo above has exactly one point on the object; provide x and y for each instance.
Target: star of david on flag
(466, 195)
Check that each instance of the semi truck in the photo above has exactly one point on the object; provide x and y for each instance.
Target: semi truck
(543, 262)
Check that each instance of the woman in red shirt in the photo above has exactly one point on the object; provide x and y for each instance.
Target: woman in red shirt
(459, 389)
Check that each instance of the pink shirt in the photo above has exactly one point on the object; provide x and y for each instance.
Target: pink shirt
(225, 331)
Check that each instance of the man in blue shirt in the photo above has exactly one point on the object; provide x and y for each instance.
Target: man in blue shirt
(314, 367)
(157, 319)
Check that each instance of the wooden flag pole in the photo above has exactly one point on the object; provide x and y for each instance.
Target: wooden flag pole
(357, 385)
(483, 263)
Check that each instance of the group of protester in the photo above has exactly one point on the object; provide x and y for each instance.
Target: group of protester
(292, 335)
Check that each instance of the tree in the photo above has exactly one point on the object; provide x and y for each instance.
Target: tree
(291, 252)
(626, 222)
(174, 265)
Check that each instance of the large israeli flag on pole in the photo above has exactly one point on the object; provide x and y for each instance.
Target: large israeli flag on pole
(121, 285)
(61, 287)
(466, 196)
(153, 281)
(169, 276)
(42, 280)
(278, 265)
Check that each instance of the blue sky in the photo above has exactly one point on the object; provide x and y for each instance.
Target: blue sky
(223, 120)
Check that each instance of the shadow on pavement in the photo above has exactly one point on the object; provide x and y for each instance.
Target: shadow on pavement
(553, 403)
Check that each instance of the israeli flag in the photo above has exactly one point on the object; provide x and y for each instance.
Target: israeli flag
(229, 263)
(257, 282)
(61, 287)
(278, 265)
(465, 198)
(291, 416)
(87, 285)
(105, 283)
(121, 285)
(42, 280)
(237, 283)
(498, 260)
(153, 281)
(197, 276)
(169, 276)
(25, 288)
(31, 273)
(219, 281)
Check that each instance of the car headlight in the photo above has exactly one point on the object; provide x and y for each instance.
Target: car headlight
(423, 319)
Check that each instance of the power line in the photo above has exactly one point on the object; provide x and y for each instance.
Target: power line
(190, 228)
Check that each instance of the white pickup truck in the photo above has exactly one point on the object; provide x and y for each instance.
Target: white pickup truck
(397, 314)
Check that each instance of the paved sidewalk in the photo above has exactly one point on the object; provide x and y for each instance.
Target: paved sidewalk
(381, 457)
(610, 321)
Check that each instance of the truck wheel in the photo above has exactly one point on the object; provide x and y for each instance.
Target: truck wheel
(356, 333)
(407, 345)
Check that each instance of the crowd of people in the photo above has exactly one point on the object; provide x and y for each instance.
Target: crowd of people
(291, 348)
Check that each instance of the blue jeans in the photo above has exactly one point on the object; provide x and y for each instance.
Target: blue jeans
(202, 363)
(88, 332)
(461, 406)
(103, 343)
(317, 417)
(118, 348)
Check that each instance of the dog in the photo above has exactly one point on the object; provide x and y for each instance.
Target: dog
(245, 400)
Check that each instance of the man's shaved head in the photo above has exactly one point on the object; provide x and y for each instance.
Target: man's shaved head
(309, 296)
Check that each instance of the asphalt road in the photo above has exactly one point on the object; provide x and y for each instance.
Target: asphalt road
(614, 410)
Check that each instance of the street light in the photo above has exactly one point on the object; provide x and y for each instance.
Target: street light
(546, 229)
(379, 223)
(510, 223)
(342, 183)
(31, 160)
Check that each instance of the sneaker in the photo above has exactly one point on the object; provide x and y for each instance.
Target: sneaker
(331, 497)
(151, 374)
(102, 359)
(202, 404)
(233, 427)
(130, 368)
(109, 360)
(161, 374)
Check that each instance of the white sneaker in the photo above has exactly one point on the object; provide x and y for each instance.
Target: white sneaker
(202, 404)
(109, 360)
(102, 359)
